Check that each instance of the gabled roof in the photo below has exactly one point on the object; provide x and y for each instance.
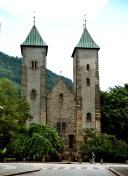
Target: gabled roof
(61, 78)
(34, 39)
(86, 42)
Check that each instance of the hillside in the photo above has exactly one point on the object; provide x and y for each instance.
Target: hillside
(10, 68)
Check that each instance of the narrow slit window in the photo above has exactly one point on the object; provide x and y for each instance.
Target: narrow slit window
(34, 64)
(33, 94)
(58, 127)
(88, 82)
(63, 127)
(88, 119)
(87, 66)
(71, 141)
(61, 97)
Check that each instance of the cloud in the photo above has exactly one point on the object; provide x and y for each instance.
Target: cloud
(54, 9)
(3, 21)
(5, 5)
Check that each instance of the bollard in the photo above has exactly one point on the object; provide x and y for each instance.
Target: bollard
(90, 161)
(101, 161)
(76, 156)
(24, 159)
(126, 161)
(43, 159)
(68, 159)
(4, 160)
(80, 160)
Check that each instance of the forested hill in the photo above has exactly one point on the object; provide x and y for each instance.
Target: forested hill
(10, 68)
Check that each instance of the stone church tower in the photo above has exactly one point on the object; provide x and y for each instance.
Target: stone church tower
(86, 85)
(33, 84)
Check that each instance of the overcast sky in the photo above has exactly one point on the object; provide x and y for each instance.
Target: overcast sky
(60, 23)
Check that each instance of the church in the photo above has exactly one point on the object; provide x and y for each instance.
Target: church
(68, 112)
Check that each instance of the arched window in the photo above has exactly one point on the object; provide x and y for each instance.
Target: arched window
(88, 118)
(61, 97)
(33, 94)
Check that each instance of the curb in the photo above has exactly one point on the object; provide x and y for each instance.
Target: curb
(20, 173)
(116, 172)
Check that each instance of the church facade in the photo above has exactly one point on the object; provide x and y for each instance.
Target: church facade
(68, 112)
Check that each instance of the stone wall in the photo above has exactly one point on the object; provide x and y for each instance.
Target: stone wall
(87, 92)
(77, 86)
(62, 109)
(33, 79)
(97, 99)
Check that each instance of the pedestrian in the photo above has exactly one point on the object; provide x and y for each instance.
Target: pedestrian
(93, 158)
(62, 156)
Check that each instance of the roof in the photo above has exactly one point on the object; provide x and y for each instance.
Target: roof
(86, 41)
(34, 38)
(61, 78)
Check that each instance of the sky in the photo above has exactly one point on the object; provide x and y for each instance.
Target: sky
(60, 24)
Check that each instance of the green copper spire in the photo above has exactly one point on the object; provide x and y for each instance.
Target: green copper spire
(86, 42)
(34, 38)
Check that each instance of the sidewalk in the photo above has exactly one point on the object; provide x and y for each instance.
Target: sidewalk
(16, 169)
(10, 169)
(121, 171)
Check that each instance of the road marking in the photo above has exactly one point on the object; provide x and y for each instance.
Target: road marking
(72, 168)
(61, 168)
(83, 167)
(9, 167)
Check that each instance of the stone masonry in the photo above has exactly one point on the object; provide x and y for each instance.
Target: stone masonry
(61, 108)
(33, 79)
(69, 113)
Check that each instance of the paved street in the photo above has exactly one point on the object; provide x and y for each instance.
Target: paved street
(122, 170)
(60, 169)
(72, 170)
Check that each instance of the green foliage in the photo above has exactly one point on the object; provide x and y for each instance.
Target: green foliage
(11, 67)
(2, 155)
(10, 159)
(14, 113)
(36, 140)
(114, 112)
(105, 146)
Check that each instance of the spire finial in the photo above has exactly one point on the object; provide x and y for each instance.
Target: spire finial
(34, 18)
(60, 72)
(84, 25)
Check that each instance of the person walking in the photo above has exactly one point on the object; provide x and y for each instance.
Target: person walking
(62, 156)
(93, 158)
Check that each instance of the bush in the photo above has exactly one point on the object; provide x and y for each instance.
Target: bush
(2, 155)
(105, 146)
(36, 141)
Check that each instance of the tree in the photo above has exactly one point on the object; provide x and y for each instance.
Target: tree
(105, 146)
(14, 113)
(11, 68)
(114, 112)
(36, 140)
